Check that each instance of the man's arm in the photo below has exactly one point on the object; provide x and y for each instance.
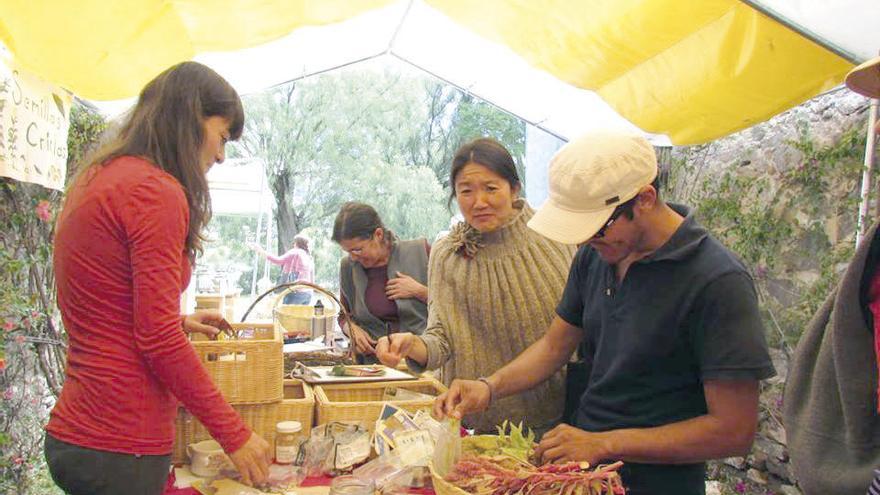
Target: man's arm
(532, 367)
(728, 429)
(539, 361)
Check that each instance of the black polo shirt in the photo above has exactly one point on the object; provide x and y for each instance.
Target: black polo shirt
(685, 314)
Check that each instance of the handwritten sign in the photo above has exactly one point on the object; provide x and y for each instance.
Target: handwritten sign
(34, 119)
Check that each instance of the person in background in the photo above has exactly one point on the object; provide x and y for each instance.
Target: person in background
(672, 318)
(297, 264)
(830, 407)
(493, 284)
(383, 279)
(129, 231)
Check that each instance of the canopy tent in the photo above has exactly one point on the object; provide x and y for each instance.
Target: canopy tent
(690, 71)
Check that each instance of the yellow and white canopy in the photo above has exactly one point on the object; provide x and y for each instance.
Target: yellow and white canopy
(689, 70)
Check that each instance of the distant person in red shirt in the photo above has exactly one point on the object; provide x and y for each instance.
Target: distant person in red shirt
(125, 241)
(297, 264)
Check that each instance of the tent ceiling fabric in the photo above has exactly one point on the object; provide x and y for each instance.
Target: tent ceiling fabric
(108, 50)
(692, 71)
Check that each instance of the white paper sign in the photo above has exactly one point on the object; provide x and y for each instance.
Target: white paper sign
(34, 119)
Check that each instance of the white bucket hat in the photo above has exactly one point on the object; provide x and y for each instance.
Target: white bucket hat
(589, 177)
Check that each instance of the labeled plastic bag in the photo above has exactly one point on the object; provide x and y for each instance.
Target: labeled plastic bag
(334, 448)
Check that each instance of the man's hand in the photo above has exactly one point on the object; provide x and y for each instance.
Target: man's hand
(252, 460)
(207, 321)
(256, 247)
(390, 350)
(405, 287)
(463, 397)
(362, 341)
(567, 443)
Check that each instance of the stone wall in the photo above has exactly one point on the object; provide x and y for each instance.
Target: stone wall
(767, 150)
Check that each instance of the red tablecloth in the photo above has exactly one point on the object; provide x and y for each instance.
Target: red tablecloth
(310, 481)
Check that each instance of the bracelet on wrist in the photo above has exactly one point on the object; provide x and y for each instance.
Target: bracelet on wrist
(491, 388)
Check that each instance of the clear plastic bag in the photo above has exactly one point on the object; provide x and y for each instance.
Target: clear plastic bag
(334, 448)
(316, 456)
(381, 469)
(284, 477)
(447, 451)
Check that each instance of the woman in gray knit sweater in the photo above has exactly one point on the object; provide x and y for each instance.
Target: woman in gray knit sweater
(494, 285)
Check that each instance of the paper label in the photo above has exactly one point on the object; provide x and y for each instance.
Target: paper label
(348, 455)
(414, 447)
(286, 455)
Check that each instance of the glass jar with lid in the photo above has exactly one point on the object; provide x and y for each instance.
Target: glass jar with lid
(350, 485)
(287, 441)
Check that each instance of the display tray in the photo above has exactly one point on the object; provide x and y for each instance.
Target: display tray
(321, 375)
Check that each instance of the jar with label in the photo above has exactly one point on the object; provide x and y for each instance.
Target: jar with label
(350, 485)
(287, 442)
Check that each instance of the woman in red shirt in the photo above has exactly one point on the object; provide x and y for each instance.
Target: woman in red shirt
(125, 241)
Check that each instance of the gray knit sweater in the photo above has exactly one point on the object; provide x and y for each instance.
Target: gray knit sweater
(491, 296)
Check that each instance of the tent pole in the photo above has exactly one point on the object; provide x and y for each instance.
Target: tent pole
(259, 228)
(867, 171)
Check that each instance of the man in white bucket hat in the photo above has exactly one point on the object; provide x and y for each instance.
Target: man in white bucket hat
(670, 318)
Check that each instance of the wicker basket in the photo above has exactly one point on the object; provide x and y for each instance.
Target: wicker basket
(363, 401)
(298, 405)
(441, 486)
(246, 371)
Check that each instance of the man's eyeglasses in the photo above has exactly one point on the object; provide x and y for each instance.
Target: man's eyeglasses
(620, 210)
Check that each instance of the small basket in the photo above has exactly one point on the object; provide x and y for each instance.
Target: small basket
(363, 401)
(298, 405)
(247, 371)
(288, 287)
(297, 319)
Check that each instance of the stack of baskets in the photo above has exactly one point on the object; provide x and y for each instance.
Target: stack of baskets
(249, 373)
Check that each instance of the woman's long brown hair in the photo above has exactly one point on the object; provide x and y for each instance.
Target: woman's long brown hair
(166, 128)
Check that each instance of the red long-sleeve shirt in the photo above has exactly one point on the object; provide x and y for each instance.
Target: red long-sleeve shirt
(120, 269)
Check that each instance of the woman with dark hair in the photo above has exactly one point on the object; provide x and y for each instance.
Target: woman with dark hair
(125, 241)
(494, 286)
(382, 280)
(296, 264)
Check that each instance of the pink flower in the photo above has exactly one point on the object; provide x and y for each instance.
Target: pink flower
(43, 210)
(26, 322)
(9, 326)
(740, 487)
(7, 394)
(19, 339)
(18, 461)
(35, 314)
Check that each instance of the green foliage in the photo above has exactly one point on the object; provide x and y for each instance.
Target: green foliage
(382, 136)
(511, 440)
(787, 226)
(34, 343)
(227, 247)
(85, 129)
